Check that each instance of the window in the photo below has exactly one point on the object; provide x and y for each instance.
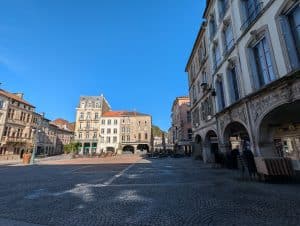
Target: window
(123, 138)
(128, 138)
(1, 104)
(96, 116)
(250, 10)
(102, 139)
(115, 139)
(87, 135)
(123, 129)
(95, 135)
(190, 134)
(188, 116)
(223, 6)
(128, 130)
(87, 125)
(262, 62)
(146, 136)
(102, 131)
(212, 27)
(108, 140)
(216, 56)
(88, 116)
(196, 117)
(81, 115)
(139, 136)
(102, 122)
(115, 131)
(220, 94)
(108, 131)
(290, 26)
(228, 38)
(194, 95)
(233, 84)
(115, 122)
(108, 122)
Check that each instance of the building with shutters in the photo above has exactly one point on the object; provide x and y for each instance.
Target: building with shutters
(243, 75)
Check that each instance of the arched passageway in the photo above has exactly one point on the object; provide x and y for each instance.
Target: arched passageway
(197, 147)
(279, 133)
(128, 149)
(143, 147)
(237, 141)
(211, 147)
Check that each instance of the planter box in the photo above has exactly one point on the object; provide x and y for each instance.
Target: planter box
(274, 166)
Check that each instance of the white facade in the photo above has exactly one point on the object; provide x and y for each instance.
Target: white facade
(243, 71)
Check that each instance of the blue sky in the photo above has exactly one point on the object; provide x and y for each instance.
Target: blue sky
(132, 51)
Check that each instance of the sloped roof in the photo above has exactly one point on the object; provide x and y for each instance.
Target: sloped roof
(14, 97)
(123, 114)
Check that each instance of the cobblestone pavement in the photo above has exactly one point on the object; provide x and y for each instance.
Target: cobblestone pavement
(149, 192)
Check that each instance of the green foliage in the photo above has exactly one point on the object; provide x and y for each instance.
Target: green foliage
(156, 131)
(71, 148)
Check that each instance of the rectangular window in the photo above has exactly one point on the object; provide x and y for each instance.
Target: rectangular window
(115, 139)
(1, 104)
(108, 140)
(81, 116)
(115, 122)
(216, 56)
(103, 122)
(123, 138)
(223, 6)
(108, 131)
(102, 131)
(115, 131)
(95, 135)
(123, 129)
(228, 35)
(109, 122)
(128, 138)
(220, 95)
(233, 83)
(146, 136)
(96, 116)
(250, 10)
(188, 116)
(264, 67)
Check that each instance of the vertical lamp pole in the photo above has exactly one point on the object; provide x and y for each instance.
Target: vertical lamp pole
(37, 130)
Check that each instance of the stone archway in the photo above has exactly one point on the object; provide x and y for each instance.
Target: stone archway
(197, 147)
(279, 133)
(237, 140)
(128, 149)
(211, 147)
(236, 136)
(143, 147)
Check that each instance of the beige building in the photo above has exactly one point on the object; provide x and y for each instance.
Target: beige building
(17, 123)
(98, 129)
(22, 129)
(181, 129)
(244, 79)
(133, 133)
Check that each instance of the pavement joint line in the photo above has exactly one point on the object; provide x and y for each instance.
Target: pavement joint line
(111, 180)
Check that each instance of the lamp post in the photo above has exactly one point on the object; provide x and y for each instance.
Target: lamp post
(36, 136)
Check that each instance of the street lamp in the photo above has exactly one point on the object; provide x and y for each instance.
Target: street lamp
(36, 131)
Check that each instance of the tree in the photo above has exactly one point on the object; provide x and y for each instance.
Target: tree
(71, 147)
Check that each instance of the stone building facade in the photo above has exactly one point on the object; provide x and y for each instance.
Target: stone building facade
(17, 122)
(181, 125)
(88, 116)
(99, 129)
(22, 129)
(244, 77)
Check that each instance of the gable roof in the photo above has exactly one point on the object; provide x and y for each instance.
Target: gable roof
(14, 97)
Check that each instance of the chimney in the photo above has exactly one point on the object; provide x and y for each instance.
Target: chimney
(21, 95)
